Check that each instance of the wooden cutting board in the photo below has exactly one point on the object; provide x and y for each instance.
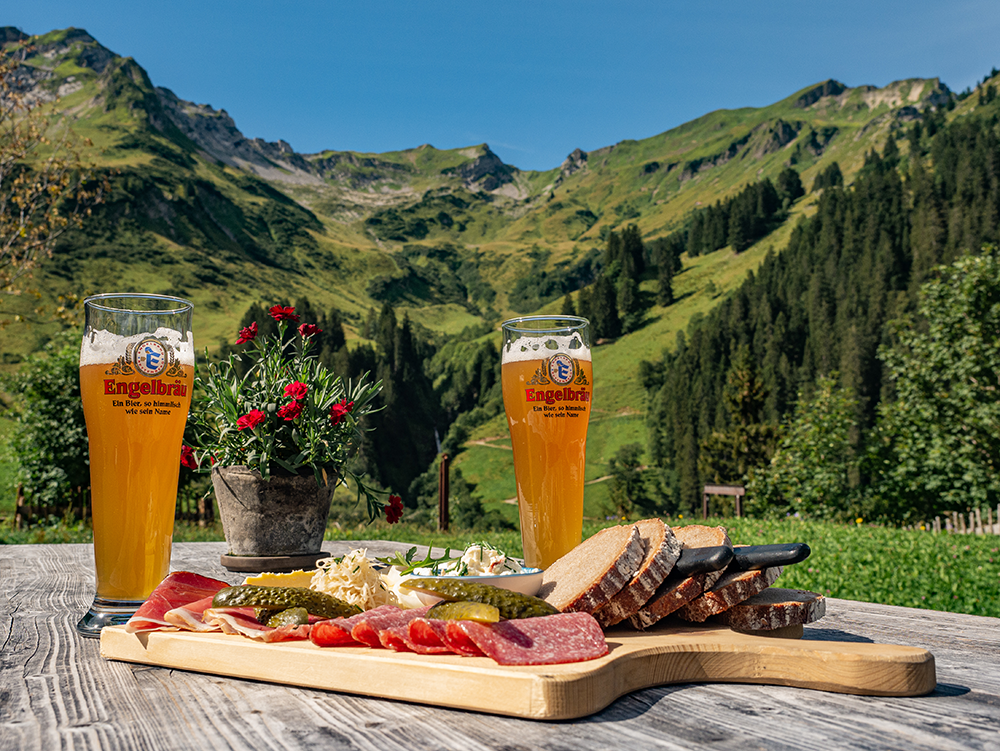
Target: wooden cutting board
(636, 660)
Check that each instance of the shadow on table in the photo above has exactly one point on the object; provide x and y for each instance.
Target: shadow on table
(833, 634)
(950, 689)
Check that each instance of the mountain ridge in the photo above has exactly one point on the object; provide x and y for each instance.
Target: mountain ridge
(199, 175)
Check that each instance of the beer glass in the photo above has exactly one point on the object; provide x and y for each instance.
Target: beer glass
(547, 380)
(136, 377)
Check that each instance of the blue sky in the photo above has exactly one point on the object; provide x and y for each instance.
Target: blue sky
(533, 79)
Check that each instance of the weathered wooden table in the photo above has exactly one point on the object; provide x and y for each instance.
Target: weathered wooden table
(57, 692)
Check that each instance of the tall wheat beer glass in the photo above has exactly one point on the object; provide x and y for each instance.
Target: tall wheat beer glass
(136, 374)
(547, 379)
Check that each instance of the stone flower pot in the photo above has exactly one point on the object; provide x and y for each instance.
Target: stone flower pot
(283, 516)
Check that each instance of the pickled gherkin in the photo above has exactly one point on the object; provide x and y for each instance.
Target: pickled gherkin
(463, 610)
(510, 604)
(289, 617)
(282, 598)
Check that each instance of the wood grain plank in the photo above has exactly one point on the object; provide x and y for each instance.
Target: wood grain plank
(636, 660)
(139, 707)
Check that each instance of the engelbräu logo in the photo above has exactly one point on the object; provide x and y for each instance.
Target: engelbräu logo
(151, 357)
(559, 369)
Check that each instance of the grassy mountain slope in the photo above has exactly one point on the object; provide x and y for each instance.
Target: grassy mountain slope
(445, 235)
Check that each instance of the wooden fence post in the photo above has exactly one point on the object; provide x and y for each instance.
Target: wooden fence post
(989, 518)
(22, 516)
(979, 521)
(738, 491)
(443, 493)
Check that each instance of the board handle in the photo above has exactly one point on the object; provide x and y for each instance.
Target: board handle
(843, 667)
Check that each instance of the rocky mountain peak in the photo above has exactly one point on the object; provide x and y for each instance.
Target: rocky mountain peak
(575, 162)
(11, 34)
(486, 172)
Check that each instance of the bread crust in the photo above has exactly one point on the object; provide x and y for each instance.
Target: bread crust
(593, 572)
(703, 536)
(775, 608)
(731, 589)
(661, 549)
(672, 595)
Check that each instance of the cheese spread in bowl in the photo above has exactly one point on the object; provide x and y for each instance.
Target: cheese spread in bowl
(480, 562)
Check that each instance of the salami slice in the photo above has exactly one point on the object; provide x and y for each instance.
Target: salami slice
(548, 640)
(395, 638)
(458, 640)
(367, 630)
(332, 633)
(178, 589)
(427, 636)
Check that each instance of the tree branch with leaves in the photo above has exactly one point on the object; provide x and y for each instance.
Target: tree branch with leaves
(46, 188)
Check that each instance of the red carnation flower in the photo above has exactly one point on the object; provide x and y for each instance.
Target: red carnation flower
(309, 329)
(251, 420)
(247, 334)
(394, 509)
(187, 458)
(279, 313)
(290, 411)
(340, 410)
(296, 390)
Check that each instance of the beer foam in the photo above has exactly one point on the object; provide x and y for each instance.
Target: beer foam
(103, 347)
(528, 348)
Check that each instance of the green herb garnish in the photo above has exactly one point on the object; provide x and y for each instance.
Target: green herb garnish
(407, 565)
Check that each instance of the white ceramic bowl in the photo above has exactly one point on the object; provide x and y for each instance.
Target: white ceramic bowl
(528, 582)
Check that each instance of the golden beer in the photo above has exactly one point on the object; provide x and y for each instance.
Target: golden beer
(547, 381)
(136, 382)
(133, 510)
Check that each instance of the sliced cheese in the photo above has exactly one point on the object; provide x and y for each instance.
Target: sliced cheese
(292, 579)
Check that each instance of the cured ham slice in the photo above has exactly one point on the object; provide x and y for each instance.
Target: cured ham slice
(244, 621)
(178, 589)
(548, 640)
(191, 617)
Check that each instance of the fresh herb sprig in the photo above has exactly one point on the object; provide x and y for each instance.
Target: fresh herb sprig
(406, 564)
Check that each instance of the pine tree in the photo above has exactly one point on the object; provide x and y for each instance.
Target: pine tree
(633, 251)
(890, 153)
(567, 305)
(604, 310)
(694, 238)
(584, 308)
(629, 303)
(740, 234)
(613, 256)
(665, 284)
(790, 185)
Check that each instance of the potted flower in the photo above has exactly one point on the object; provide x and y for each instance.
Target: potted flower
(277, 429)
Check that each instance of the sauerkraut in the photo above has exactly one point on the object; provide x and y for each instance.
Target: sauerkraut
(353, 579)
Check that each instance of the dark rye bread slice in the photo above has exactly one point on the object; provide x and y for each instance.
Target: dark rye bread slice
(661, 551)
(731, 589)
(673, 594)
(775, 608)
(593, 572)
(701, 536)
